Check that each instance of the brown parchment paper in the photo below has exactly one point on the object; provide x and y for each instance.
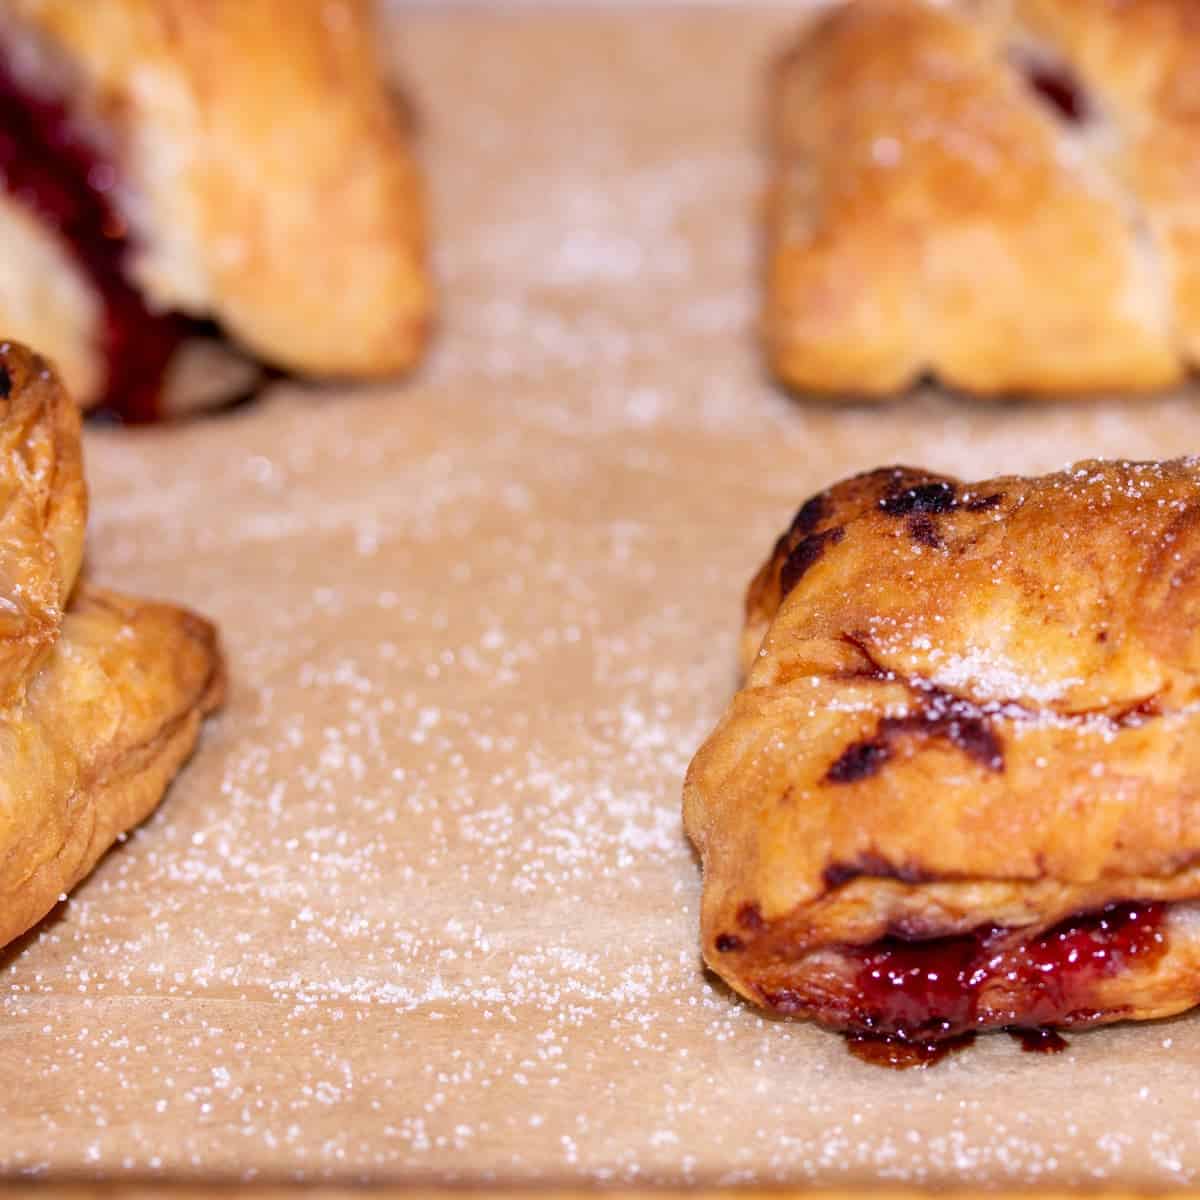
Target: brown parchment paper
(420, 908)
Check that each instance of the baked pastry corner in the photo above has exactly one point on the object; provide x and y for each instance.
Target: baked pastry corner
(989, 195)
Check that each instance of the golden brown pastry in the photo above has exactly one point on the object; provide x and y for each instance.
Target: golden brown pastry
(174, 162)
(42, 513)
(1000, 194)
(960, 787)
(107, 723)
(101, 703)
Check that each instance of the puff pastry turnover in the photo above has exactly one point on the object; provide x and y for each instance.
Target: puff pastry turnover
(999, 193)
(171, 165)
(958, 789)
(102, 695)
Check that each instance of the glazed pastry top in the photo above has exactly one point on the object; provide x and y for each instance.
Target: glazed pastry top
(43, 512)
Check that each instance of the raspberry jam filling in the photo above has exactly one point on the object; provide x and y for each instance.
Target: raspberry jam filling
(914, 996)
(50, 169)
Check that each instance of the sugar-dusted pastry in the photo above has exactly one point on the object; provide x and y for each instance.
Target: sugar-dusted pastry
(102, 695)
(1000, 194)
(177, 168)
(960, 787)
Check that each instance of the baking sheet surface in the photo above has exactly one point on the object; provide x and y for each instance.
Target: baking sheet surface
(421, 907)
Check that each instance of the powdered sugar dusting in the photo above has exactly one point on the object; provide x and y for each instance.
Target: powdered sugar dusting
(421, 907)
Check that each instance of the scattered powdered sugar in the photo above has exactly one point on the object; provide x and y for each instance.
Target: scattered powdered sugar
(421, 906)
(994, 677)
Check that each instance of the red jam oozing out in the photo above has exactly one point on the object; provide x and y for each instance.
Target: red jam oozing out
(918, 994)
(1039, 1041)
(901, 1055)
(48, 167)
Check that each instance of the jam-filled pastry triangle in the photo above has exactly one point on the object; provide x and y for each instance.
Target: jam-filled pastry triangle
(999, 194)
(174, 166)
(958, 789)
(101, 696)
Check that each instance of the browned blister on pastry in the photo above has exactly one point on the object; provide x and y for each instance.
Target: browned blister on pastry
(960, 787)
(170, 164)
(101, 696)
(1000, 195)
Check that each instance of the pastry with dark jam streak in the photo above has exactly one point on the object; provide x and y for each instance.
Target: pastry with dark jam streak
(173, 171)
(957, 791)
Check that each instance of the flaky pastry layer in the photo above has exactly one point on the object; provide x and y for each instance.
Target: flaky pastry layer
(43, 509)
(108, 721)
